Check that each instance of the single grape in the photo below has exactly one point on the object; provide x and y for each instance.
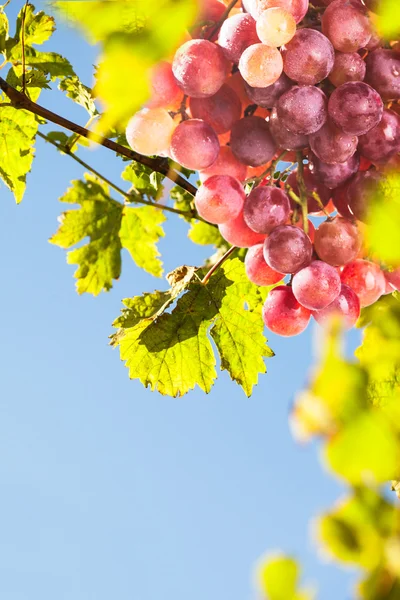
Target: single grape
(200, 68)
(340, 201)
(355, 107)
(257, 269)
(220, 199)
(268, 96)
(299, 223)
(238, 233)
(393, 278)
(366, 279)
(225, 164)
(331, 145)
(346, 306)
(334, 175)
(265, 208)
(282, 314)
(316, 286)
(252, 142)
(287, 249)
(383, 73)
(360, 191)
(346, 24)
(298, 8)
(164, 89)
(236, 34)
(302, 109)
(337, 242)
(149, 131)
(221, 111)
(261, 65)
(276, 26)
(284, 138)
(313, 186)
(383, 141)
(309, 57)
(194, 144)
(348, 66)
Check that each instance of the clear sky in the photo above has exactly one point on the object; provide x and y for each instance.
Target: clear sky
(106, 489)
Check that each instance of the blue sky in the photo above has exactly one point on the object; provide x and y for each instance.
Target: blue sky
(106, 489)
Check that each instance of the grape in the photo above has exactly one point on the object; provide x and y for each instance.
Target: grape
(257, 269)
(268, 96)
(287, 249)
(220, 111)
(164, 89)
(210, 10)
(200, 68)
(337, 241)
(298, 8)
(226, 164)
(312, 186)
(236, 34)
(346, 25)
(261, 65)
(283, 137)
(359, 192)
(276, 26)
(346, 306)
(383, 141)
(299, 223)
(237, 83)
(355, 107)
(331, 145)
(149, 131)
(237, 233)
(220, 199)
(251, 141)
(302, 109)
(383, 73)
(340, 201)
(194, 144)
(265, 208)
(334, 175)
(366, 279)
(393, 278)
(309, 57)
(316, 286)
(282, 314)
(348, 66)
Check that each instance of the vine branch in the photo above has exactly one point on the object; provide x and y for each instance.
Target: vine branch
(159, 165)
(223, 258)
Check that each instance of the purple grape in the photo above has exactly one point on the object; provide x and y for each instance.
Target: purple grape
(284, 138)
(355, 107)
(383, 141)
(346, 24)
(287, 249)
(309, 57)
(331, 145)
(252, 142)
(383, 73)
(221, 111)
(302, 109)
(316, 286)
(358, 193)
(268, 96)
(265, 208)
(334, 175)
(348, 66)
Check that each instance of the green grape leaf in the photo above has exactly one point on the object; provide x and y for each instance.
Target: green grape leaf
(204, 234)
(171, 351)
(39, 27)
(182, 201)
(110, 226)
(35, 81)
(51, 63)
(277, 578)
(79, 93)
(18, 130)
(144, 180)
(3, 31)
(58, 136)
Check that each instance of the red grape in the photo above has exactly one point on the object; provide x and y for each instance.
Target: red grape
(261, 65)
(149, 131)
(268, 96)
(236, 34)
(238, 233)
(164, 89)
(309, 57)
(359, 191)
(226, 164)
(366, 279)
(282, 314)
(346, 306)
(348, 66)
(257, 269)
(252, 142)
(355, 107)
(220, 199)
(284, 138)
(334, 175)
(302, 109)
(276, 26)
(316, 286)
(265, 208)
(298, 8)
(393, 278)
(383, 141)
(194, 144)
(220, 111)
(337, 241)
(287, 249)
(312, 186)
(346, 25)
(331, 145)
(383, 73)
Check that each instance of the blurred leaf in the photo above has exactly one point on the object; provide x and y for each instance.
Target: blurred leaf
(3, 31)
(278, 579)
(203, 234)
(388, 19)
(182, 201)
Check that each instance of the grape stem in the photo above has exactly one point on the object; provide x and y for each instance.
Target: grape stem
(223, 258)
(302, 190)
(159, 165)
(181, 110)
(269, 171)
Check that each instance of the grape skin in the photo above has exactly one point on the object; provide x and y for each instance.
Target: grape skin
(337, 242)
(302, 110)
(238, 233)
(358, 193)
(149, 131)
(283, 137)
(257, 269)
(346, 25)
(393, 278)
(348, 66)
(383, 73)
(265, 208)
(309, 57)
(316, 286)
(236, 34)
(266, 97)
(220, 199)
(261, 65)
(276, 26)
(355, 107)
(282, 314)
(383, 141)
(366, 279)
(164, 89)
(221, 111)
(252, 142)
(287, 249)
(346, 306)
(298, 8)
(331, 145)
(225, 164)
(194, 144)
(332, 176)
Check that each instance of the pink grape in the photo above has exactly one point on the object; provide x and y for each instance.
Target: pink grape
(282, 314)
(260, 65)
(347, 26)
(252, 142)
(194, 144)
(316, 286)
(393, 278)
(200, 68)
(221, 111)
(348, 66)
(331, 145)
(383, 73)
(276, 26)
(346, 306)
(257, 269)
(265, 208)
(334, 175)
(312, 186)
(164, 89)
(302, 109)
(236, 34)
(268, 96)
(340, 201)
(383, 141)
(225, 164)
(149, 131)
(337, 242)
(287, 249)
(298, 8)
(359, 192)
(238, 233)
(284, 138)
(355, 107)
(366, 279)
(220, 199)
(309, 57)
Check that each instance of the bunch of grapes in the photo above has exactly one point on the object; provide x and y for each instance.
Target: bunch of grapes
(273, 80)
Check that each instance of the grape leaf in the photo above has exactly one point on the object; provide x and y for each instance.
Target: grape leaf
(144, 180)
(171, 351)
(35, 81)
(278, 579)
(110, 226)
(182, 201)
(3, 31)
(79, 93)
(39, 27)
(204, 234)
(18, 130)
(51, 63)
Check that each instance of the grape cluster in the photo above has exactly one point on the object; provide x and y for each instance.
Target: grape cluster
(314, 86)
